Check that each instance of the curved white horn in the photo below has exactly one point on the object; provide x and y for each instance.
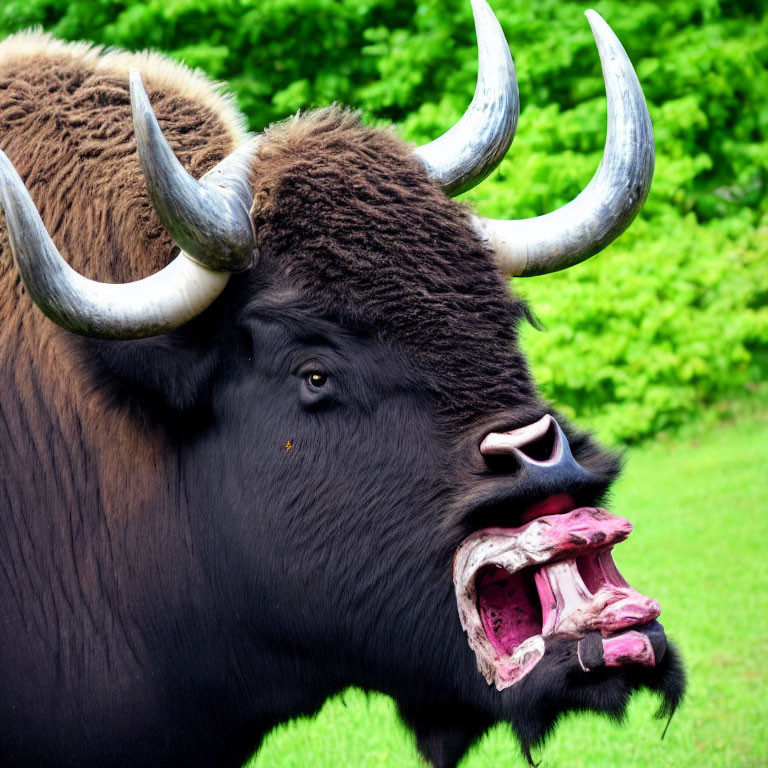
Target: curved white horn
(612, 198)
(146, 307)
(208, 219)
(464, 155)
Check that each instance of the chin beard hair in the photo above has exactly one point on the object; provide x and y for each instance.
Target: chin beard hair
(558, 684)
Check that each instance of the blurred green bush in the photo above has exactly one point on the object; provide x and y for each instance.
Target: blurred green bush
(669, 320)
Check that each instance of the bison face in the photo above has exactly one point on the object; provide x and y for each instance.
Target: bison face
(375, 491)
(466, 571)
(435, 527)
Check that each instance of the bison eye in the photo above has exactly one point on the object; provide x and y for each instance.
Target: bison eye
(316, 379)
(317, 387)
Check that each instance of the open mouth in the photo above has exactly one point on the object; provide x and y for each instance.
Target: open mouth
(553, 576)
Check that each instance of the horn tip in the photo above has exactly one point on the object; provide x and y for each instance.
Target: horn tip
(482, 12)
(141, 109)
(485, 19)
(599, 25)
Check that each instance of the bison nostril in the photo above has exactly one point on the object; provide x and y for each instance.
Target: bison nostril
(542, 444)
(542, 448)
(540, 441)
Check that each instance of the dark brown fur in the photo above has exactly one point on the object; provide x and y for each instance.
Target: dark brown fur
(415, 271)
(80, 477)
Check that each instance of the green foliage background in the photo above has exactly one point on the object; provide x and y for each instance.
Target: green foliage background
(669, 321)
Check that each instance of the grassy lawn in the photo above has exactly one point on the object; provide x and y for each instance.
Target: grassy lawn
(700, 510)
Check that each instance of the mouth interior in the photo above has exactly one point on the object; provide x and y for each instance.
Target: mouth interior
(553, 576)
(516, 606)
(509, 606)
(597, 571)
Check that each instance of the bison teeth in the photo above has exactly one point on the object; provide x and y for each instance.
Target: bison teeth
(570, 609)
(562, 592)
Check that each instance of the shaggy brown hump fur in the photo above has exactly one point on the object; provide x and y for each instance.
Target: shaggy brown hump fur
(65, 123)
(353, 219)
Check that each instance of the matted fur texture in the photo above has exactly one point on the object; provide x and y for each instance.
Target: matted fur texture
(161, 72)
(352, 219)
(76, 152)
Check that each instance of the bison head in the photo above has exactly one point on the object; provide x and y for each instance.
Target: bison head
(373, 491)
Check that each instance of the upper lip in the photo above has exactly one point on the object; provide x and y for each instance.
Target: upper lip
(491, 504)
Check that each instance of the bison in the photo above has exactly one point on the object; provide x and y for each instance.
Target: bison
(302, 450)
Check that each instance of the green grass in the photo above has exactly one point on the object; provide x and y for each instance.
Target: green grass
(700, 510)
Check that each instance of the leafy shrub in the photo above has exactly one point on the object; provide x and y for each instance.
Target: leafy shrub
(642, 337)
(671, 318)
